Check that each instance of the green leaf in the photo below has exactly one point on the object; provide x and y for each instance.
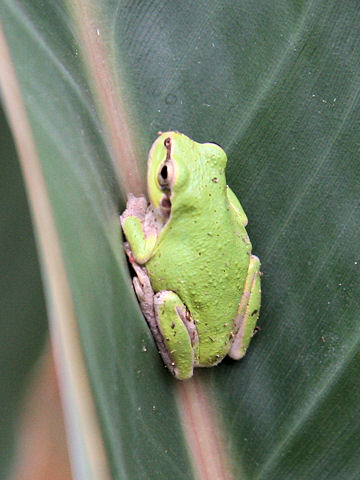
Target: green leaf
(277, 85)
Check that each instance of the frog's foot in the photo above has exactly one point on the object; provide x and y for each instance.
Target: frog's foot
(248, 313)
(178, 333)
(135, 207)
(145, 295)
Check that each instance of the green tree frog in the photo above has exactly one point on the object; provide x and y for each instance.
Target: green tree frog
(196, 280)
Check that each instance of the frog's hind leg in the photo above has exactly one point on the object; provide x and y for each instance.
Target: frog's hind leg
(145, 295)
(172, 327)
(248, 312)
(178, 333)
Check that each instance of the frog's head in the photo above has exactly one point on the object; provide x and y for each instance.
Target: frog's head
(179, 168)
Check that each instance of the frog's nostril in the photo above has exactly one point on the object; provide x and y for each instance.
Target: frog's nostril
(167, 144)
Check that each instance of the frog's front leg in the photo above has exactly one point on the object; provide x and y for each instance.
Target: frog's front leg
(248, 312)
(139, 227)
(178, 332)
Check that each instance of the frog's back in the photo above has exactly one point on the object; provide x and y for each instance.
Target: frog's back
(205, 263)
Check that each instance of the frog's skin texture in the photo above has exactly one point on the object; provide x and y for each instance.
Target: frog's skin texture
(197, 283)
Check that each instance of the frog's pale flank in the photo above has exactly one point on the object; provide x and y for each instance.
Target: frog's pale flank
(196, 280)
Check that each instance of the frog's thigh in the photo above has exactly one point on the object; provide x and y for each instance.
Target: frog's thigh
(249, 309)
(170, 317)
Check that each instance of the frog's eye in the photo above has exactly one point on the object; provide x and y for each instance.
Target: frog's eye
(166, 173)
(163, 175)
